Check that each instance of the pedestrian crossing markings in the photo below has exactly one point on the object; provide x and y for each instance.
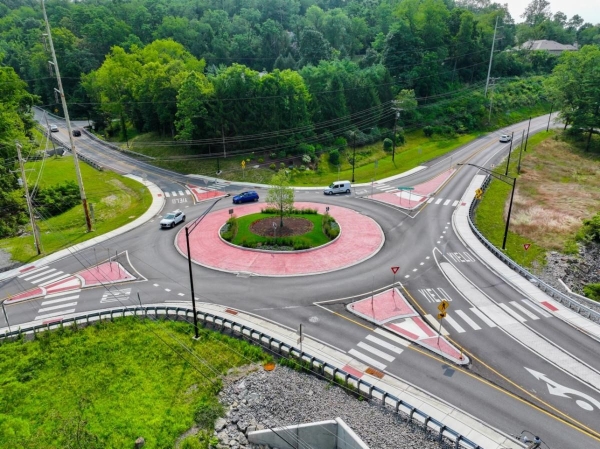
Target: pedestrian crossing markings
(43, 276)
(375, 348)
(58, 304)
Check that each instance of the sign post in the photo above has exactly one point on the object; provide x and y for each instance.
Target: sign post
(243, 169)
(300, 337)
(394, 270)
(409, 189)
(444, 305)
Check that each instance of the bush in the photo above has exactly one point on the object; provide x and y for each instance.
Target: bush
(282, 165)
(260, 160)
(273, 166)
(302, 167)
(428, 131)
(306, 158)
(592, 291)
(57, 199)
(273, 155)
(231, 226)
(388, 144)
(591, 229)
(330, 227)
(281, 154)
(340, 142)
(334, 157)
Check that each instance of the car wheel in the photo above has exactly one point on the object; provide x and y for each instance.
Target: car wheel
(183, 219)
(173, 225)
(255, 200)
(347, 190)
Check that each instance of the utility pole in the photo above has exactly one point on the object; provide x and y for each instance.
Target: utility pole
(509, 151)
(48, 131)
(491, 100)
(353, 153)
(223, 137)
(520, 153)
(396, 117)
(527, 137)
(549, 117)
(60, 90)
(491, 58)
(36, 235)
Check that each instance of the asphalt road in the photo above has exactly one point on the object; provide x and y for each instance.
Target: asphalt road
(497, 387)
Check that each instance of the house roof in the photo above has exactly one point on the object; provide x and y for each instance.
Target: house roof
(547, 45)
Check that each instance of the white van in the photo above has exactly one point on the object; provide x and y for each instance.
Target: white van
(338, 187)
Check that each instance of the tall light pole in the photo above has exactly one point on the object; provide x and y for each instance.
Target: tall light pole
(353, 153)
(396, 117)
(61, 92)
(188, 230)
(501, 177)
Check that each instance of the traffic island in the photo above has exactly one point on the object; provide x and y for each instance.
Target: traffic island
(392, 311)
(360, 239)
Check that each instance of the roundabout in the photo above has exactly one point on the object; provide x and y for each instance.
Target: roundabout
(361, 238)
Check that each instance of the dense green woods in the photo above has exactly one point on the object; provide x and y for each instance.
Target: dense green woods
(282, 76)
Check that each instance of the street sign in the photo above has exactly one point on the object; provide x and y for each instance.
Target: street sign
(406, 188)
(395, 269)
(443, 306)
(243, 164)
(526, 246)
(478, 193)
(441, 315)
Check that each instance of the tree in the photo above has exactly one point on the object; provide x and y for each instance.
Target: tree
(280, 195)
(314, 47)
(575, 89)
(537, 12)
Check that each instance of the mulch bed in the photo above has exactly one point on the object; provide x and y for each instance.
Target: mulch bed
(291, 226)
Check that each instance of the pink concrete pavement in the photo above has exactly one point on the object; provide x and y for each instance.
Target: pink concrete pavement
(360, 239)
(102, 274)
(201, 194)
(392, 310)
(409, 200)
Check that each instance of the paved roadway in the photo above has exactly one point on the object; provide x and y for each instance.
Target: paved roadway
(497, 387)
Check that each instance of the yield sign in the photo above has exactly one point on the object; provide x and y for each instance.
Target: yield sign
(395, 269)
(526, 246)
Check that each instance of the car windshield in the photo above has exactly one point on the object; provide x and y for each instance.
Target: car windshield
(170, 216)
(331, 186)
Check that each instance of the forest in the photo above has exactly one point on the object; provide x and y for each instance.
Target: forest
(278, 75)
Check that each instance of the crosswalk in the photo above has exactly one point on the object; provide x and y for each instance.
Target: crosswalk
(177, 193)
(442, 202)
(476, 318)
(57, 304)
(377, 350)
(43, 276)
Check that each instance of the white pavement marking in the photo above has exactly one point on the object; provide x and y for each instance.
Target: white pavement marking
(70, 292)
(385, 344)
(482, 317)
(181, 193)
(435, 324)
(439, 201)
(467, 319)
(430, 200)
(377, 352)
(535, 308)
(50, 276)
(173, 193)
(48, 270)
(55, 301)
(392, 337)
(66, 275)
(167, 194)
(55, 314)
(180, 294)
(446, 202)
(167, 289)
(452, 322)
(512, 312)
(455, 203)
(30, 272)
(187, 192)
(522, 309)
(62, 306)
(366, 358)
(155, 285)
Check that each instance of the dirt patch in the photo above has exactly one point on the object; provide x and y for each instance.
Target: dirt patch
(291, 226)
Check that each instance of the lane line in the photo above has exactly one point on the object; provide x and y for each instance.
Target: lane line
(377, 352)
(468, 319)
(365, 358)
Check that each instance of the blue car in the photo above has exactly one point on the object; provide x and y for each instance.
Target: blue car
(245, 197)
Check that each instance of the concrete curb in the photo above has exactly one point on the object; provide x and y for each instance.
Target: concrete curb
(158, 202)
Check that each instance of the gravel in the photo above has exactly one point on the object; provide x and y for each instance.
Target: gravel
(284, 397)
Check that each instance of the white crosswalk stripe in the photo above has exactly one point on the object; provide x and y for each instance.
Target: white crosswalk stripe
(30, 272)
(511, 312)
(181, 193)
(50, 276)
(452, 322)
(173, 193)
(447, 202)
(455, 203)
(482, 317)
(384, 344)
(523, 310)
(40, 273)
(365, 358)
(62, 276)
(376, 352)
(167, 194)
(438, 201)
(468, 320)
(430, 200)
(187, 192)
(56, 305)
(536, 308)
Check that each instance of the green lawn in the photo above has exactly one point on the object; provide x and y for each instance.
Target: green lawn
(489, 215)
(245, 237)
(115, 200)
(106, 385)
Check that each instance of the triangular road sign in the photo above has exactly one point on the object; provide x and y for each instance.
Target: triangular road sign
(526, 246)
(395, 269)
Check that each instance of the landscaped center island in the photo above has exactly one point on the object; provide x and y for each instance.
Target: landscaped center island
(302, 229)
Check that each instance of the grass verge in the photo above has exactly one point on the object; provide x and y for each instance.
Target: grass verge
(106, 385)
(558, 187)
(116, 201)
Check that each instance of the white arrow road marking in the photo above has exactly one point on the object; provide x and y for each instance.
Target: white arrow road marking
(556, 389)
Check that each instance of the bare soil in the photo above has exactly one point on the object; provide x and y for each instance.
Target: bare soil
(291, 226)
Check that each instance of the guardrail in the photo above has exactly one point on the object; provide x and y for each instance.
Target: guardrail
(114, 147)
(549, 290)
(222, 324)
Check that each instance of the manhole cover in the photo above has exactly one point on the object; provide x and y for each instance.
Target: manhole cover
(313, 319)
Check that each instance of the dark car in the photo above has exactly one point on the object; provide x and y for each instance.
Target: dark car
(76, 133)
(245, 197)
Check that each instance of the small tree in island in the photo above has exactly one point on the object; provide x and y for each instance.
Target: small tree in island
(281, 195)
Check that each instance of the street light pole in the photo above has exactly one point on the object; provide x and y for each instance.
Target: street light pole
(353, 153)
(509, 151)
(500, 177)
(188, 230)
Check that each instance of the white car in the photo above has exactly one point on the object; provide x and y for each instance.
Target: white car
(53, 128)
(172, 218)
(504, 138)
